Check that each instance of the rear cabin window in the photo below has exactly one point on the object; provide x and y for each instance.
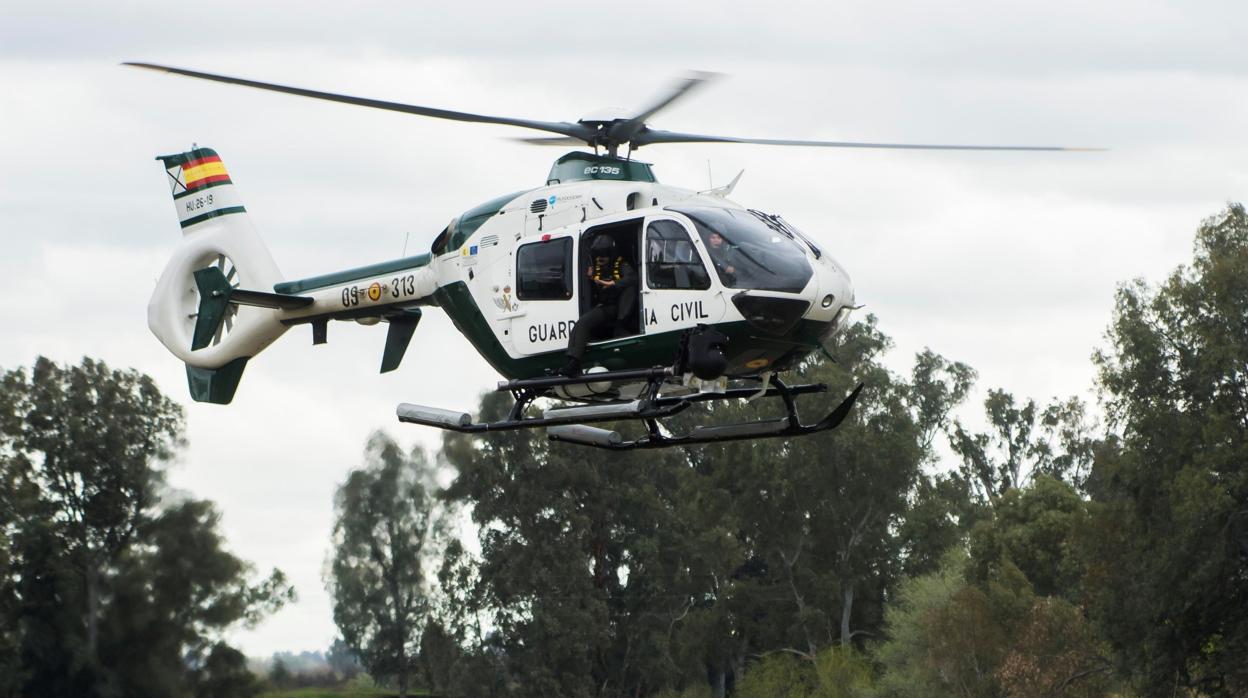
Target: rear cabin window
(671, 259)
(544, 270)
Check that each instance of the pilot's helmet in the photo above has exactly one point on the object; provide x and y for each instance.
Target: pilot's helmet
(602, 246)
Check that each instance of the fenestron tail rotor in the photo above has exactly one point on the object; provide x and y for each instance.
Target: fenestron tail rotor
(609, 132)
(192, 302)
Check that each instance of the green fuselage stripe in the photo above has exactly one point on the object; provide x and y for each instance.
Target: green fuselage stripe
(745, 343)
(212, 214)
(348, 275)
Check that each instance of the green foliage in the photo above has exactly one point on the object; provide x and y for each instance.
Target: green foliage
(1024, 441)
(836, 672)
(105, 592)
(905, 654)
(1033, 529)
(172, 594)
(997, 637)
(1168, 557)
(360, 687)
(342, 661)
(387, 525)
(225, 675)
(279, 675)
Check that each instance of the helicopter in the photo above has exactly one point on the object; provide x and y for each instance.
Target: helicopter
(725, 301)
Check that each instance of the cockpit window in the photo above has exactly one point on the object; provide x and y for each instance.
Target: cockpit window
(747, 253)
(671, 259)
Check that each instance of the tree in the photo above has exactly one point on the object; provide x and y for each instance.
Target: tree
(387, 524)
(1024, 441)
(279, 675)
(174, 591)
(675, 569)
(837, 672)
(993, 637)
(342, 661)
(18, 497)
(97, 565)
(1168, 575)
(224, 674)
(1035, 529)
(97, 433)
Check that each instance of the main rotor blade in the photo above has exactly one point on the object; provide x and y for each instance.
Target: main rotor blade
(549, 140)
(577, 131)
(651, 136)
(626, 130)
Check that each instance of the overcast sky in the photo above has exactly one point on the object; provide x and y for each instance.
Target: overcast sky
(1007, 261)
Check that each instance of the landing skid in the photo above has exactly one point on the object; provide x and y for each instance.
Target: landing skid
(650, 407)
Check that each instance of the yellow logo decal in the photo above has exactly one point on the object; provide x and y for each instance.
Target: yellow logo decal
(374, 291)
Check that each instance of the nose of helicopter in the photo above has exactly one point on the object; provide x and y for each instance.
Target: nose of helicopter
(831, 295)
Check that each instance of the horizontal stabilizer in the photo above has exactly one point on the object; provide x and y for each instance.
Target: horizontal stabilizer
(216, 294)
(260, 299)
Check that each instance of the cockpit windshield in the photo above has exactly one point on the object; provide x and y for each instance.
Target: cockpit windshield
(747, 253)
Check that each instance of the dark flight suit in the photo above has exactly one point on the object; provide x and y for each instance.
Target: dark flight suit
(727, 262)
(609, 305)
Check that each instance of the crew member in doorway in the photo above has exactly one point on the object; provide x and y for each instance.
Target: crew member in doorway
(612, 280)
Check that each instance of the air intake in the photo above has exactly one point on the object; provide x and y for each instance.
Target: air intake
(771, 315)
(538, 206)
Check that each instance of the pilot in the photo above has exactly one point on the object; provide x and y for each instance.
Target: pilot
(723, 257)
(612, 280)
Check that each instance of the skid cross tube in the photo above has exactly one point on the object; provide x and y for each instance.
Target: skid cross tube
(790, 425)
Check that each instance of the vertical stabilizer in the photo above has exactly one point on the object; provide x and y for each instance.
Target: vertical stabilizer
(201, 187)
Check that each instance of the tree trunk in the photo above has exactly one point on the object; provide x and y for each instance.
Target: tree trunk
(847, 607)
(93, 609)
(599, 548)
(718, 685)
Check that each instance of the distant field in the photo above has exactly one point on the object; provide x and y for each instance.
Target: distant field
(337, 693)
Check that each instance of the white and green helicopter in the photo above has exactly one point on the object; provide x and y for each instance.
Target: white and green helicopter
(726, 298)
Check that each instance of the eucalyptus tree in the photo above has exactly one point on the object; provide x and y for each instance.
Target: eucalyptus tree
(92, 436)
(1024, 440)
(388, 523)
(1168, 545)
(632, 572)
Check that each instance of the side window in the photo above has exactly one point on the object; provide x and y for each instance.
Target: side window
(544, 270)
(671, 259)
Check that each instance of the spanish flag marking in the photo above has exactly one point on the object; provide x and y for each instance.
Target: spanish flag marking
(204, 171)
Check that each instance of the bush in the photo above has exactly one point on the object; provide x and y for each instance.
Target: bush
(836, 672)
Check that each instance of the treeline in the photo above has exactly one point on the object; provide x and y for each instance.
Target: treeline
(1050, 553)
(1047, 554)
(109, 585)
